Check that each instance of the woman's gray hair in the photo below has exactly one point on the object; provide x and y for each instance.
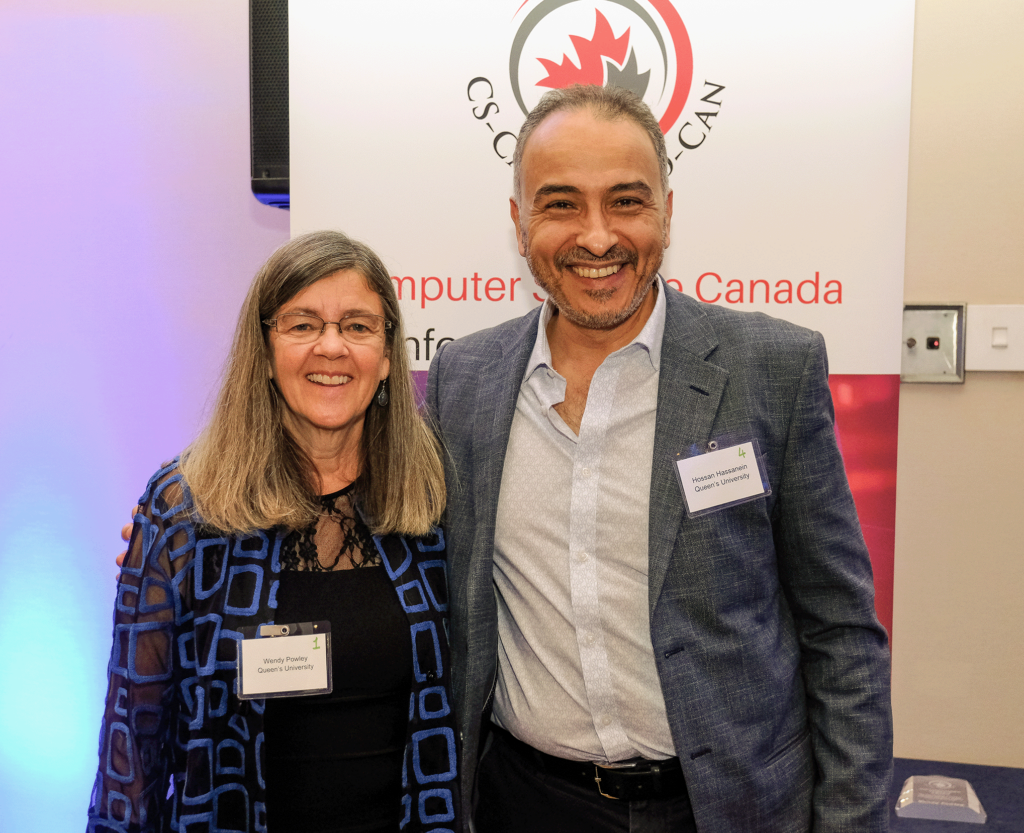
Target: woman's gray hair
(246, 472)
(608, 103)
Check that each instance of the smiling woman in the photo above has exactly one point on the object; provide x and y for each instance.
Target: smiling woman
(314, 463)
(253, 465)
(327, 375)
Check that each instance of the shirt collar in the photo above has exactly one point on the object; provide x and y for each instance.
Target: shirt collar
(648, 340)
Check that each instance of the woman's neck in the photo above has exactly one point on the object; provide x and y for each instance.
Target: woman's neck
(334, 474)
(336, 455)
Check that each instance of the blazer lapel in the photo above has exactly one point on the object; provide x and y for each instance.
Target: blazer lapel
(690, 389)
(497, 394)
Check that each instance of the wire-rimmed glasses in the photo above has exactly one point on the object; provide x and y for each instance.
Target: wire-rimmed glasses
(304, 327)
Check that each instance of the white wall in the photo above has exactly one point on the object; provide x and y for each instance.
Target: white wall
(958, 653)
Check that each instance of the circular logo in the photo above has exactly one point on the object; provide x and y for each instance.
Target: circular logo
(643, 47)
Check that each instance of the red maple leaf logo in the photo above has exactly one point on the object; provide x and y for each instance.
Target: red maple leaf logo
(604, 44)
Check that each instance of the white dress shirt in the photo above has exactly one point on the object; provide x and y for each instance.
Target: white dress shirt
(576, 671)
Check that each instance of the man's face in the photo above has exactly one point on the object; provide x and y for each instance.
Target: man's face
(593, 223)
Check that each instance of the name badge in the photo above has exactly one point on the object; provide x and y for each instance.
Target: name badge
(292, 660)
(722, 478)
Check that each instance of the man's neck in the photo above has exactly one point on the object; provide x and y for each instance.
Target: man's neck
(577, 352)
(575, 344)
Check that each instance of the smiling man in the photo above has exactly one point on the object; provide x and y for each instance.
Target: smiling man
(621, 662)
(596, 223)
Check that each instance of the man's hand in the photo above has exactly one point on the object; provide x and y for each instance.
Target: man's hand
(126, 536)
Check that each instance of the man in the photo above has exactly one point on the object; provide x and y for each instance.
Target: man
(621, 663)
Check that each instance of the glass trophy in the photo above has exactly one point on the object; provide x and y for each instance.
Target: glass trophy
(940, 798)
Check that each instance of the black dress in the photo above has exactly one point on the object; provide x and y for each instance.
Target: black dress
(334, 761)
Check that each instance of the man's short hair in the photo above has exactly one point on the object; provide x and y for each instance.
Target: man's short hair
(608, 103)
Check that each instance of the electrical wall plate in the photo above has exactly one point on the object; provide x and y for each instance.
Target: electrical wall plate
(994, 337)
(933, 343)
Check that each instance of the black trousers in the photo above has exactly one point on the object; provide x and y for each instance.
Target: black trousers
(516, 795)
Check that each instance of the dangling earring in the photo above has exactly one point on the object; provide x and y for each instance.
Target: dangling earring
(382, 394)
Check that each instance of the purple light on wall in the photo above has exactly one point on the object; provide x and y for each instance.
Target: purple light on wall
(129, 239)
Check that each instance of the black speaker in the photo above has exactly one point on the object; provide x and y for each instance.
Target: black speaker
(268, 101)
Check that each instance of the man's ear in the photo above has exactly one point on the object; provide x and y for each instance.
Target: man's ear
(514, 211)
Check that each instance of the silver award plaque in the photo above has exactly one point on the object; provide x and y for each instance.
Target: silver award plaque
(940, 798)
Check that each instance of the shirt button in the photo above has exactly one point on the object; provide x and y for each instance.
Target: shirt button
(582, 557)
(586, 472)
(606, 720)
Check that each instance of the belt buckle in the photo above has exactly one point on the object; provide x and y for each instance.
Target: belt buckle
(597, 780)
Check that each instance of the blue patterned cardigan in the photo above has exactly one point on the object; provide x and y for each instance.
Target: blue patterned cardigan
(178, 750)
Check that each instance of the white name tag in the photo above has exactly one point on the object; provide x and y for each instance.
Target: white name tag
(722, 478)
(285, 661)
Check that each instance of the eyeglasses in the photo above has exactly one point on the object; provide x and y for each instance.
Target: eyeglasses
(305, 328)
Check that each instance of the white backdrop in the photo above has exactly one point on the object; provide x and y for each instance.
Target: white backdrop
(789, 148)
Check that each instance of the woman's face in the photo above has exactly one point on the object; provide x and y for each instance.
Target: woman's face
(328, 384)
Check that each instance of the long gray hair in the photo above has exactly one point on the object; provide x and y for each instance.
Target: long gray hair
(246, 472)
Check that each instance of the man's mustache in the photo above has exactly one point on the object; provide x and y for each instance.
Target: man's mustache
(616, 254)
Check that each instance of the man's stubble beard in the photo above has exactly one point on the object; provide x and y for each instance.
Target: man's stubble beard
(606, 320)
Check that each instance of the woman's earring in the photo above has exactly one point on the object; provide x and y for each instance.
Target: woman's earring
(382, 394)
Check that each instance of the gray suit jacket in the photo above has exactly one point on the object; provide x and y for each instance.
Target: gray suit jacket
(773, 665)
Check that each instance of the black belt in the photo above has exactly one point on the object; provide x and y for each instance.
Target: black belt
(636, 780)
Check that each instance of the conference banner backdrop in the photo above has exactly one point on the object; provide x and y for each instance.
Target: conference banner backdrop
(787, 126)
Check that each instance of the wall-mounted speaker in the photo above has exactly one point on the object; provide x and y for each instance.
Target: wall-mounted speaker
(268, 101)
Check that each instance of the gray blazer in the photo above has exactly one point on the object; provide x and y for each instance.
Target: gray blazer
(773, 665)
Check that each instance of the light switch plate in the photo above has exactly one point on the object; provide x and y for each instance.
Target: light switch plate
(995, 337)
(933, 343)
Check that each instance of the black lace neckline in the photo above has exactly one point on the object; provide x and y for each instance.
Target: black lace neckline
(339, 540)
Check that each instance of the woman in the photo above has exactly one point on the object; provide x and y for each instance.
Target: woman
(310, 497)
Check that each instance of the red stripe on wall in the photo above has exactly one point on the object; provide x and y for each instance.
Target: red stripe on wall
(867, 417)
